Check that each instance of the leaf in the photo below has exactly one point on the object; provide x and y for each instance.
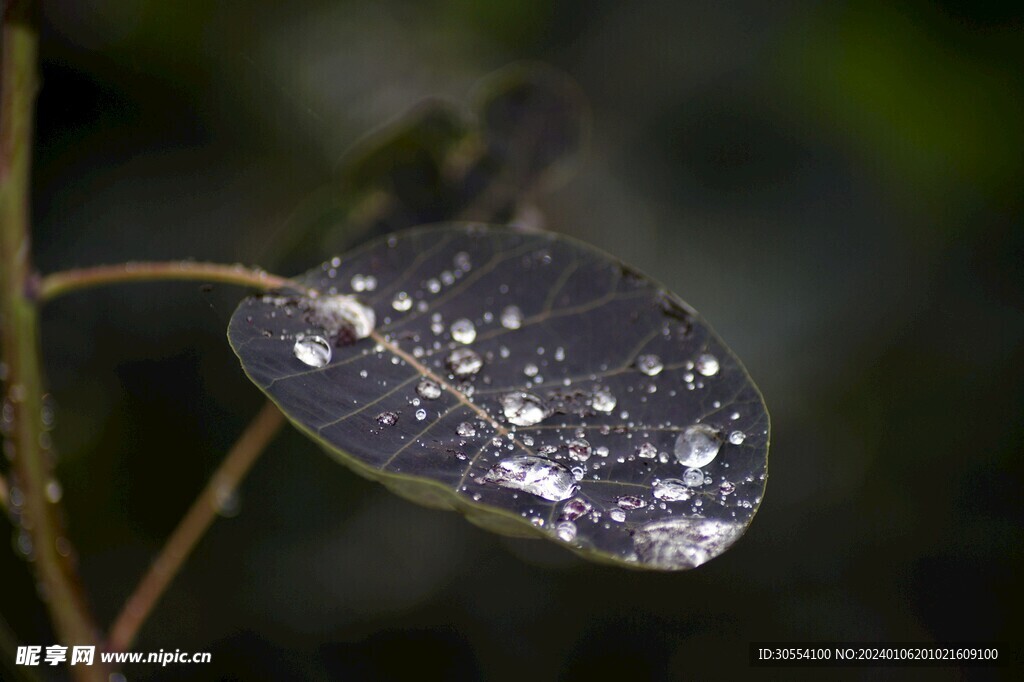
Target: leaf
(525, 379)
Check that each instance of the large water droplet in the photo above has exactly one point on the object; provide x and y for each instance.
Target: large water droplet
(428, 389)
(534, 475)
(463, 331)
(603, 400)
(579, 449)
(697, 445)
(651, 365)
(464, 362)
(401, 302)
(707, 364)
(683, 543)
(312, 350)
(523, 409)
(671, 490)
(337, 314)
(512, 317)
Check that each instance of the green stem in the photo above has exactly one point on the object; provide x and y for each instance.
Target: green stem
(59, 283)
(19, 333)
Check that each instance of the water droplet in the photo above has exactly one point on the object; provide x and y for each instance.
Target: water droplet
(647, 451)
(387, 418)
(566, 531)
(54, 491)
(683, 543)
(603, 400)
(579, 449)
(512, 317)
(339, 314)
(707, 364)
(463, 331)
(401, 302)
(737, 437)
(312, 350)
(726, 488)
(630, 502)
(574, 509)
(462, 261)
(671, 490)
(697, 446)
(530, 370)
(433, 286)
(693, 478)
(523, 409)
(617, 515)
(358, 283)
(534, 475)
(651, 365)
(421, 414)
(466, 430)
(428, 389)
(464, 362)
(601, 451)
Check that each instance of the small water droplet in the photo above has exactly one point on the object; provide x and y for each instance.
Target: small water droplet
(697, 445)
(387, 418)
(737, 437)
(693, 478)
(534, 475)
(671, 490)
(401, 302)
(421, 414)
(647, 451)
(312, 350)
(651, 365)
(463, 331)
(566, 531)
(523, 409)
(464, 362)
(466, 430)
(579, 449)
(530, 370)
(428, 389)
(54, 491)
(707, 364)
(342, 315)
(512, 317)
(630, 502)
(617, 515)
(603, 400)
(574, 509)
(726, 488)
(433, 286)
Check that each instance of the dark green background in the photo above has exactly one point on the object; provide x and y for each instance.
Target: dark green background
(836, 187)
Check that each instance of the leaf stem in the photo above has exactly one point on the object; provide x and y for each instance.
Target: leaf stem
(58, 283)
(32, 467)
(191, 528)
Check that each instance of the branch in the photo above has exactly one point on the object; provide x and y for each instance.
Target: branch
(59, 283)
(32, 466)
(200, 515)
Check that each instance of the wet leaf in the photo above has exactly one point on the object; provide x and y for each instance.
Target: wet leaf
(525, 379)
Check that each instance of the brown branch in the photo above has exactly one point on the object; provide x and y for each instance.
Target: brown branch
(200, 515)
(56, 284)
